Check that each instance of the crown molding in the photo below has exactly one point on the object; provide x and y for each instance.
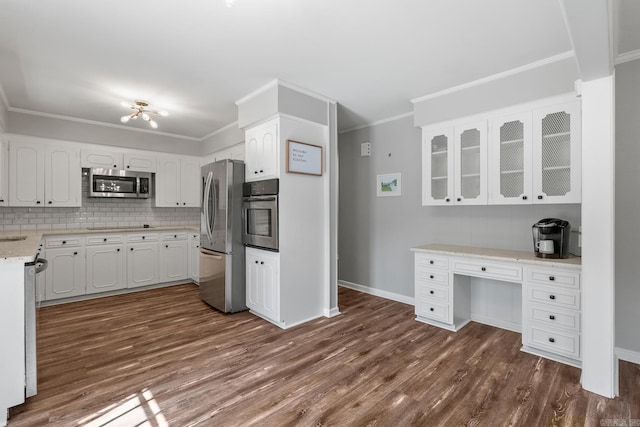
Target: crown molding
(628, 57)
(222, 129)
(377, 122)
(96, 123)
(497, 76)
(305, 91)
(257, 92)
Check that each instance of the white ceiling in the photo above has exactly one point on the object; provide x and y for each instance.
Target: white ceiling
(195, 58)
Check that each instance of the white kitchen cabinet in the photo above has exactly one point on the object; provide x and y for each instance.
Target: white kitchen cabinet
(114, 159)
(105, 263)
(44, 175)
(437, 167)
(262, 151)
(178, 182)
(142, 264)
(4, 174)
(263, 283)
(174, 257)
(194, 257)
(65, 275)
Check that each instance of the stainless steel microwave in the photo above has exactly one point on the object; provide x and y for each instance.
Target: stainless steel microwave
(260, 214)
(119, 183)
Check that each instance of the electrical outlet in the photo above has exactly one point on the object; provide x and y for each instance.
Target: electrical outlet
(365, 149)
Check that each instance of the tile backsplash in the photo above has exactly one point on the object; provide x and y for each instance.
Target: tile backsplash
(96, 212)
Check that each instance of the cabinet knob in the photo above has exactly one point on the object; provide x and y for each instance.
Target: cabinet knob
(459, 199)
(184, 203)
(255, 172)
(115, 166)
(540, 197)
(104, 240)
(118, 250)
(552, 339)
(49, 202)
(75, 253)
(447, 200)
(1, 200)
(552, 317)
(256, 262)
(261, 262)
(175, 236)
(131, 249)
(128, 166)
(64, 242)
(38, 202)
(431, 292)
(552, 278)
(261, 170)
(177, 203)
(143, 237)
(483, 269)
(524, 197)
(431, 276)
(431, 262)
(552, 297)
(431, 309)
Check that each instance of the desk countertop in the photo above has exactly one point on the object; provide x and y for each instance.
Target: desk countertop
(499, 255)
(23, 251)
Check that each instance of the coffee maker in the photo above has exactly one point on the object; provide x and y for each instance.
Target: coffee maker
(551, 238)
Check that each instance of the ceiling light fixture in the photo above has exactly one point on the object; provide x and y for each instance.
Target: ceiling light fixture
(141, 108)
(230, 3)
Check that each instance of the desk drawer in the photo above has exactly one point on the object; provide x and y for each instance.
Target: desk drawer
(432, 276)
(432, 310)
(553, 297)
(490, 270)
(143, 237)
(62, 242)
(425, 292)
(564, 343)
(431, 261)
(551, 277)
(104, 239)
(568, 320)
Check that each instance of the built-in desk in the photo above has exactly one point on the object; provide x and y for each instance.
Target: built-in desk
(545, 295)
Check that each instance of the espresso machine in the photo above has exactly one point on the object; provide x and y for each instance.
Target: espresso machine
(551, 238)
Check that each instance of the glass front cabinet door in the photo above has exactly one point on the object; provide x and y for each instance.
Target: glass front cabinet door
(437, 167)
(471, 164)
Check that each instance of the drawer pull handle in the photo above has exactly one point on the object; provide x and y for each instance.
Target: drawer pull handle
(483, 269)
(75, 253)
(431, 262)
(143, 237)
(431, 276)
(552, 340)
(131, 249)
(104, 240)
(552, 278)
(552, 297)
(431, 309)
(552, 317)
(431, 292)
(64, 242)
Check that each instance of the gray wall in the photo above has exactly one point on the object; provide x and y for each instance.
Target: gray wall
(47, 127)
(258, 107)
(375, 233)
(3, 116)
(627, 238)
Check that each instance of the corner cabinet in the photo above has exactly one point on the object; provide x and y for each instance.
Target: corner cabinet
(262, 151)
(4, 174)
(178, 182)
(263, 283)
(528, 156)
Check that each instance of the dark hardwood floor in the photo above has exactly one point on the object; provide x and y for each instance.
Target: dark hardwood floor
(164, 358)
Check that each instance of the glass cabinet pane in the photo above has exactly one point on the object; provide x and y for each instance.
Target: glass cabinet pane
(556, 154)
(470, 163)
(439, 167)
(512, 159)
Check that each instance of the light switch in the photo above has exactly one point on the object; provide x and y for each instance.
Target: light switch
(365, 149)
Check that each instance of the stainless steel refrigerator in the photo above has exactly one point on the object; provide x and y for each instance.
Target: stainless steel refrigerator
(222, 283)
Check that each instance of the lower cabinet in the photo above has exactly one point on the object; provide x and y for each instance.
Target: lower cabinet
(142, 264)
(65, 275)
(174, 257)
(105, 263)
(263, 283)
(194, 257)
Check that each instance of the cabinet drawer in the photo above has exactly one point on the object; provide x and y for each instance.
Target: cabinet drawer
(553, 316)
(432, 310)
(425, 292)
(62, 242)
(143, 237)
(564, 343)
(432, 276)
(554, 297)
(568, 279)
(491, 270)
(430, 261)
(104, 239)
(175, 236)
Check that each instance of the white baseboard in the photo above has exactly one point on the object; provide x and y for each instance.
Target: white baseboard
(628, 355)
(377, 292)
(498, 323)
(332, 312)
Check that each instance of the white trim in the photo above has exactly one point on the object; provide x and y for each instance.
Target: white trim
(300, 119)
(497, 76)
(257, 92)
(305, 91)
(377, 292)
(93, 122)
(628, 57)
(222, 129)
(497, 323)
(378, 122)
(628, 355)
(565, 18)
(332, 312)
(3, 97)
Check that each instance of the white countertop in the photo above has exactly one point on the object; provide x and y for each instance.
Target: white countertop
(23, 251)
(499, 255)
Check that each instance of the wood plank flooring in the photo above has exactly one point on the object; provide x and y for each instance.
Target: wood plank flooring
(164, 358)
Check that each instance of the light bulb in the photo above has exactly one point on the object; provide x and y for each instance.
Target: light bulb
(125, 104)
(124, 119)
(230, 3)
(163, 113)
(146, 117)
(153, 124)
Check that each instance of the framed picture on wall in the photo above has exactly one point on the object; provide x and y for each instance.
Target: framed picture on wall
(304, 158)
(389, 185)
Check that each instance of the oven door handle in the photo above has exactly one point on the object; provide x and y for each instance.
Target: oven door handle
(260, 199)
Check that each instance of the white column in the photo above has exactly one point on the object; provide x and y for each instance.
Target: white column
(598, 204)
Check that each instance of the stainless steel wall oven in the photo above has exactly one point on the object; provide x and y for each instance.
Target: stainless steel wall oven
(260, 214)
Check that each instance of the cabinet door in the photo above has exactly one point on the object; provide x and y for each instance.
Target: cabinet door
(105, 268)
(557, 154)
(270, 286)
(26, 176)
(263, 286)
(140, 162)
(142, 264)
(65, 275)
(4, 174)
(262, 152)
(91, 158)
(437, 167)
(471, 164)
(168, 182)
(510, 160)
(174, 260)
(254, 297)
(194, 257)
(190, 183)
(63, 177)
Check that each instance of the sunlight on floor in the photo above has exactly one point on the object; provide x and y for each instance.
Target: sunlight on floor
(140, 409)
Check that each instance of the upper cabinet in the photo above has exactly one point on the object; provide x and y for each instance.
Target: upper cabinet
(178, 182)
(134, 161)
(44, 175)
(525, 157)
(4, 174)
(262, 151)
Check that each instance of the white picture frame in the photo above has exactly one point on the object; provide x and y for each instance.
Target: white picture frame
(389, 185)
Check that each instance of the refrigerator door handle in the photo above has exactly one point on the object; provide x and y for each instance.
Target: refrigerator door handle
(215, 203)
(210, 254)
(207, 193)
